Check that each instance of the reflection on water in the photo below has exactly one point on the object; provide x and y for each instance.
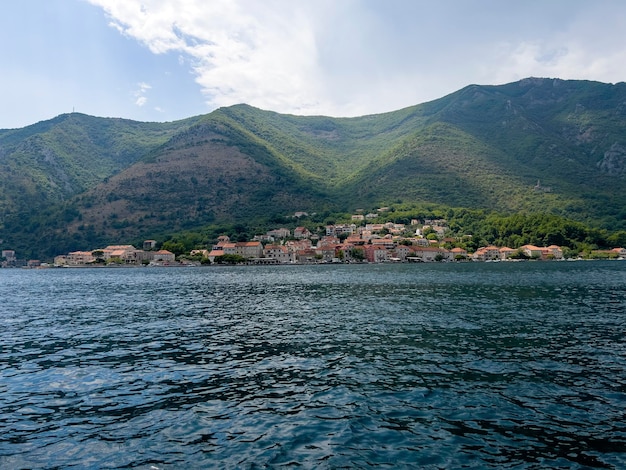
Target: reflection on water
(440, 366)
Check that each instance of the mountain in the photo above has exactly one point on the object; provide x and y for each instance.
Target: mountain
(537, 145)
(54, 160)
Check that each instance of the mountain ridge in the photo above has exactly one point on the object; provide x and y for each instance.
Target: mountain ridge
(76, 179)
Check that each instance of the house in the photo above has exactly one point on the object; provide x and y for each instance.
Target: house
(366, 235)
(552, 252)
(386, 242)
(402, 252)
(532, 251)
(336, 230)
(345, 228)
(355, 239)
(280, 253)
(487, 253)
(506, 252)
(248, 249)
(301, 232)
(429, 254)
(214, 253)
(306, 255)
(9, 256)
(326, 252)
(228, 248)
(440, 230)
(264, 238)
(344, 251)
(75, 258)
(621, 252)
(128, 254)
(421, 241)
(295, 245)
(222, 242)
(60, 260)
(163, 256)
(149, 245)
(442, 222)
(376, 254)
(374, 228)
(395, 229)
(329, 241)
(202, 253)
(279, 233)
(459, 253)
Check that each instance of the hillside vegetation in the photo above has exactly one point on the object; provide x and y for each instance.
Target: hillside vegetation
(54, 160)
(534, 146)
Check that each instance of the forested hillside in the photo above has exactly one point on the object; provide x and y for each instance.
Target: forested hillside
(535, 146)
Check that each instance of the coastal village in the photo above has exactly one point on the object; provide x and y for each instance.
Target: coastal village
(342, 243)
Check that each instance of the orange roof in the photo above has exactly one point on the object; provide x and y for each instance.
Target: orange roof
(248, 244)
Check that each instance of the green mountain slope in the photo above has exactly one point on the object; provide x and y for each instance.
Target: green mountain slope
(537, 145)
(325, 149)
(215, 170)
(489, 146)
(53, 160)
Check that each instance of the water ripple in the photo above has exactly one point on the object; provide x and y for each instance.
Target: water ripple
(445, 366)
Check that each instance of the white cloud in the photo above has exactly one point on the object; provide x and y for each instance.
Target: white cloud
(258, 53)
(362, 56)
(140, 94)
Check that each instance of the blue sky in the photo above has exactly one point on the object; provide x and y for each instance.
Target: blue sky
(162, 60)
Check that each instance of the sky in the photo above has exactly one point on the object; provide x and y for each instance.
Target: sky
(163, 60)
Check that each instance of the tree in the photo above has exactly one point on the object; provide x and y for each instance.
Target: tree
(229, 259)
(519, 254)
(617, 240)
(98, 256)
(178, 248)
(357, 254)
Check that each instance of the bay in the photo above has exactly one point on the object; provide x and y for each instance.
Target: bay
(477, 365)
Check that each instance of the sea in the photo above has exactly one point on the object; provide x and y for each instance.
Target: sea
(436, 366)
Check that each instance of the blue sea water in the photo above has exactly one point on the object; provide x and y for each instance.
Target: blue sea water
(478, 365)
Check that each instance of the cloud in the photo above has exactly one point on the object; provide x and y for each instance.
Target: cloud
(363, 56)
(259, 53)
(140, 94)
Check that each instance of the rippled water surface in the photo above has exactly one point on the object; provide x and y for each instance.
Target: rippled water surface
(502, 365)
